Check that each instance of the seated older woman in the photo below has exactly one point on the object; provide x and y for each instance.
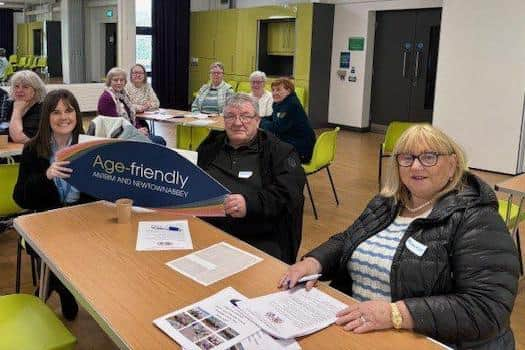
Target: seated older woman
(213, 95)
(265, 177)
(22, 109)
(140, 92)
(263, 97)
(430, 253)
(289, 121)
(115, 102)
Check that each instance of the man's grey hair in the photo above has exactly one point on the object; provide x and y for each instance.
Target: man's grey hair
(240, 98)
(30, 78)
(258, 74)
(217, 64)
(2, 52)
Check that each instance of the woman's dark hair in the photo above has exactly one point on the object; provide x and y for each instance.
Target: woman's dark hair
(42, 139)
(145, 79)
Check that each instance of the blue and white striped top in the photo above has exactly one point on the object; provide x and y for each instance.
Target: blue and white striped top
(371, 261)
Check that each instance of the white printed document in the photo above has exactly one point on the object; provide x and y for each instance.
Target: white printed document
(214, 263)
(215, 322)
(292, 313)
(200, 122)
(164, 235)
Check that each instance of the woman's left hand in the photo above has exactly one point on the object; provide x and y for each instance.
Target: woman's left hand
(366, 316)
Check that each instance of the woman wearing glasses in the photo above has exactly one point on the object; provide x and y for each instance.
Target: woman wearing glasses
(140, 92)
(213, 95)
(430, 253)
(264, 98)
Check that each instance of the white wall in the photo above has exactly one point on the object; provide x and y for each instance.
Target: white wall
(206, 5)
(350, 102)
(481, 80)
(18, 17)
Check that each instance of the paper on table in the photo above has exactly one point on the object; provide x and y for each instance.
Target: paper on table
(262, 341)
(163, 235)
(201, 122)
(196, 115)
(215, 322)
(214, 263)
(292, 313)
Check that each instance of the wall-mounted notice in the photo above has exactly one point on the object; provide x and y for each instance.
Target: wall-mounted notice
(344, 60)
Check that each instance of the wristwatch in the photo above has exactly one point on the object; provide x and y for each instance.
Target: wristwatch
(397, 319)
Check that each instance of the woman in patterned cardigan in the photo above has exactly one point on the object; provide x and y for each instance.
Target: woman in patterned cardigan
(213, 95)
(140, 92)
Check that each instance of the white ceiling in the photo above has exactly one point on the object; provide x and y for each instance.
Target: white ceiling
(19, 4)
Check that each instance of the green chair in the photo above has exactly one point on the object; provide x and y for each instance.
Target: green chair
(301, 95)
(27, 323)
(8, 207)
(233, 83)
(393, 132)
(8, 72)
(13, 59)
(244, 86)
(21, 63)
(322, 157)
(190, 137)
(512, 215)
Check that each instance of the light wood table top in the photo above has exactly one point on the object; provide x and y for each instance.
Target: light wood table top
(515, 185)
(125, 290)
(218, 121)
(11, 149)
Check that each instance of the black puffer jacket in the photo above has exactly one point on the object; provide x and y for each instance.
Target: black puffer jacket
(462, 289)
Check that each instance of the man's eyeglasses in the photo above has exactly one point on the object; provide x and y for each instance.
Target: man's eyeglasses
(426, 159)
(243, 118)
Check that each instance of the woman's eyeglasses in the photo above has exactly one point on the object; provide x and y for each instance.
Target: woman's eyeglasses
(426, 159)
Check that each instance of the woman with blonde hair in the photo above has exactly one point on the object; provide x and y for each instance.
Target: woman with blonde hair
(22, 109)
(429, 254)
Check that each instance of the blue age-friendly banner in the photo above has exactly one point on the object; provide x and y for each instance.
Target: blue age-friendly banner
(152, 175)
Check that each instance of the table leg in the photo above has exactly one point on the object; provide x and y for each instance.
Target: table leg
(44, 281)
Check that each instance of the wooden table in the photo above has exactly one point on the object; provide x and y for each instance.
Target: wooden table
(10, 150)
(124, 290)
(218, 121)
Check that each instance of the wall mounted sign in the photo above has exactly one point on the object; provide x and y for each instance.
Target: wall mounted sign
(344, 60)
(153, 176)
(356, 43)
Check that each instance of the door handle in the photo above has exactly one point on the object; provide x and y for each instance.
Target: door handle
(404, 64)
(416, 69)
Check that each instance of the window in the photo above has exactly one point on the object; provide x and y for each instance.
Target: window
(143, 40)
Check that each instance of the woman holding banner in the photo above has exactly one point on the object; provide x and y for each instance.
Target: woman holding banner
(41, 185)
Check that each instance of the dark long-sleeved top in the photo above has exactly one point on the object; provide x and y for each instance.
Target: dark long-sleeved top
(272, 186)
(30, 120)
(33, 190)
(461, 290)
(290, 123)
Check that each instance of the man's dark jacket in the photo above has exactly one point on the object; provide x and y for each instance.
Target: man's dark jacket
(462, 289)
(274, 214)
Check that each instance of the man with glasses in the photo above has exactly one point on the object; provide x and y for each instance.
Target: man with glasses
(213, 95)
(264, 176)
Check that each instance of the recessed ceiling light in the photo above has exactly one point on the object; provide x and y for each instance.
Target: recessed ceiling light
(2, 3)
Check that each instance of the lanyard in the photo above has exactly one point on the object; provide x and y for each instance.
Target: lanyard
(64, 192)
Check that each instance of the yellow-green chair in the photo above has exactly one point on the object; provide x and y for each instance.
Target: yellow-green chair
(393, 132)
(322, 157)
(244, 86)
(7, 72)
(13, 59)
(512, 215)
(8, 207)
(21, 63)
(233, 83)
(301, 95)
(27, 323)
(190, 137)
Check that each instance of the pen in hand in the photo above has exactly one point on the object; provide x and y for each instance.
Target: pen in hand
(304, 279)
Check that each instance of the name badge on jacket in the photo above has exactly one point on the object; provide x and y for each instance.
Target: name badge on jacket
(245, 174)
(415, 246)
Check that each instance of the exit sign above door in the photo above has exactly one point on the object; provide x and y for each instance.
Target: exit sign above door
(356, 43)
